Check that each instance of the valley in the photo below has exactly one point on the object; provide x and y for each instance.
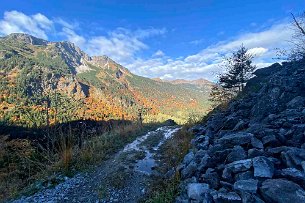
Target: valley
(152, 102)
(71, 85)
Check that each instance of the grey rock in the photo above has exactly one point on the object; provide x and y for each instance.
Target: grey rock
(255, 152)
(226, 185)
(263, 167)
(270, 140)
(240, 125)
(231, 197)
(297, 102)
(249, 185)
(207, 198)
(203, 144)
(216, 122)
(230, 123)
(197, 129)
(180, 167)
(303, 166)
(256, 129)
(189, 171)
(291, 173)
(256, 143)
(181, 200)
(244, 175)
(221, 156)
(277, 150)
(195, 191)
(199, 154)
(188, 158)
(238, 153)
(170, 173)
(275, 161)
(227, 174)
(230, 140)
(204, 163)
(250, 198)
(282, 191)
(293, 157)
(211, 177)
(240, 166)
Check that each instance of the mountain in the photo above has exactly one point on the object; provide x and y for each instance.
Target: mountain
(199, 83)
(58, 77)
(252, 151)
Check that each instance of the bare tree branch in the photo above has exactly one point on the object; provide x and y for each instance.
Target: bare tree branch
(298, 24)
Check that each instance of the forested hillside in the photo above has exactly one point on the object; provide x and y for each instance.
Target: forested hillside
(45, 82)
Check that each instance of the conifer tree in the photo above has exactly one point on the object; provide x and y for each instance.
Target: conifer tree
(239, 70)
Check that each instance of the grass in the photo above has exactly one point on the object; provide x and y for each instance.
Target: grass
(24, 167)
(102, 192)
(118, 179)
(172, 153)
(166, 192)
(152, 140)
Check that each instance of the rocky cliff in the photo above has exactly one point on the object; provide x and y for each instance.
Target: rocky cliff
(254, 151)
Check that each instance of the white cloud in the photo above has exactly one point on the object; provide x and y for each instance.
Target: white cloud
(14, 21)
(120, 44)
(124, 46)
(66, 24)
(207, 63)
(166, 77)
(43, 21)
(257, 51)
(158, 53)
(73, 37)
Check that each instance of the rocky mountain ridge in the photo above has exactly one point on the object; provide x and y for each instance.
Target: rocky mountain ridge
(198, 82)
(254, 151)
(106, 89)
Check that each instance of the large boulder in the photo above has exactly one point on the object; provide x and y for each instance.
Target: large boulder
(291, 173)
(230, 123)
(263, 167)
(189, 171)
(249, 185)
(231, 140)
(257, 143)
(196, 191)
(238, 153)
(293, 157)
(211, 177)
(239, 166)
(282, 191)
(188, 158)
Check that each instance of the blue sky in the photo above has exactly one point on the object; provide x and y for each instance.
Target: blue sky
(168, 39)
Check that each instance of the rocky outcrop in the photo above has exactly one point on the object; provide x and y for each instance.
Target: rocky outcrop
(255, 150)
(25, 38)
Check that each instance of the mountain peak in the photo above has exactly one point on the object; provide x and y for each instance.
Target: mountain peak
(26, 38)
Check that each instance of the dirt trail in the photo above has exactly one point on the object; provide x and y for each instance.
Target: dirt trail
(123, 178)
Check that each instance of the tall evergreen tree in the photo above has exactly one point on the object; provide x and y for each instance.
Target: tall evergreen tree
(239, 70)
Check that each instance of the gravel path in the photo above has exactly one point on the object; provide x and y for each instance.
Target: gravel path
(123, 178)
